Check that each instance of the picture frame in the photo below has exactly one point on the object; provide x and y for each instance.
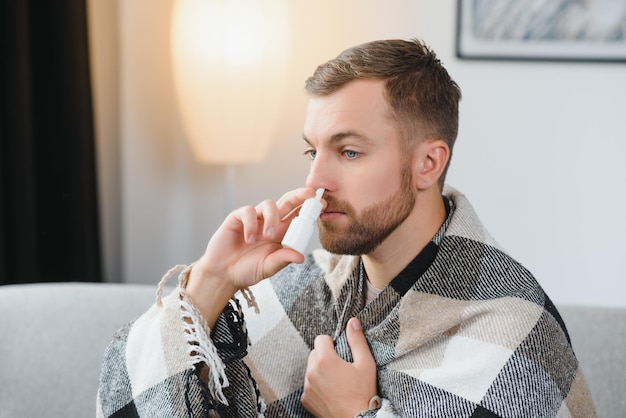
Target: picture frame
(548, 30)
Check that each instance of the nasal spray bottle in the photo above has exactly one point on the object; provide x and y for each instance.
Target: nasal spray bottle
(301, 228)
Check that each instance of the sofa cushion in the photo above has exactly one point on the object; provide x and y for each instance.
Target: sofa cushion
(53, 341)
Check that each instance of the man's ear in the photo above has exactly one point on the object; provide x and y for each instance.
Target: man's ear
(429, 162)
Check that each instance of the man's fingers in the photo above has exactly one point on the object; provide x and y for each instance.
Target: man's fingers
(279, 259)
(246, 218)
(267, 211)
(324, 343)
(323, 347)
(358, 344)
(290, 202)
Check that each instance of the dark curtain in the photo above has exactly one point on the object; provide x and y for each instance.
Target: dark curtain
(48, 199)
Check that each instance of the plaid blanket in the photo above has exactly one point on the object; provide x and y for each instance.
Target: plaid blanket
(464, 331)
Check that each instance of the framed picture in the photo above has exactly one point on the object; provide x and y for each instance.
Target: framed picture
(554, 30)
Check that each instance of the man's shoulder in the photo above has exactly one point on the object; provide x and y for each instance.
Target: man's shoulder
(472, 257)
(465, 221)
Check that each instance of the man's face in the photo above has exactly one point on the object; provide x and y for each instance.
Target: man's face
(356, 156)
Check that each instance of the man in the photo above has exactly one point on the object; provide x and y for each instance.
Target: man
(411, 310)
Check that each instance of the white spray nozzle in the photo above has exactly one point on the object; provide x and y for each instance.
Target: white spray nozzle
(312, 207)
(301, 228)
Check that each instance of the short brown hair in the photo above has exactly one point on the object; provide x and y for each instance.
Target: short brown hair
(419, 90)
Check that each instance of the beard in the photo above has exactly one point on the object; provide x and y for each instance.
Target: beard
(368, 229)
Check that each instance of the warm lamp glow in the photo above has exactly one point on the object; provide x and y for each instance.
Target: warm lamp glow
(230, 63)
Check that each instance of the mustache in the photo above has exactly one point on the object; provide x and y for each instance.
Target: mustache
(336, 205)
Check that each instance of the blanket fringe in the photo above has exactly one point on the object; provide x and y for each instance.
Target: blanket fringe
(250, 299)
(183, 278)
(201, 347)
(197, 332)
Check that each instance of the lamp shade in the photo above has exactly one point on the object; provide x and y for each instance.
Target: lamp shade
(230, 64)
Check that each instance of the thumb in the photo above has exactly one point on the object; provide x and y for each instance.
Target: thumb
(358, 344)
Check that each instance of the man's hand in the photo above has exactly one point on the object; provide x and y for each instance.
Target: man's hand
(243, 251)
(334, 387)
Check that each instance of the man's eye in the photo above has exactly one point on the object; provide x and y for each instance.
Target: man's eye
(311, 153)
(351, 154)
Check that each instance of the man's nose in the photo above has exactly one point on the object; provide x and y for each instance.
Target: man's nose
(320, 174)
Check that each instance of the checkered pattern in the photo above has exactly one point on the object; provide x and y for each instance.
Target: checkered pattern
(473, 335)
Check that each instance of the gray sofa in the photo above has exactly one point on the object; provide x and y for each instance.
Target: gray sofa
(53, 337)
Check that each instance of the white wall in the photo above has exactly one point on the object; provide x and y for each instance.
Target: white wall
(537, 152)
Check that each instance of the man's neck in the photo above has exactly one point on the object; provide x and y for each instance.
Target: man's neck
(407, 241)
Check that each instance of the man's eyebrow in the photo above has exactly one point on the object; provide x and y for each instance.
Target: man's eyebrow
(340, 136)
